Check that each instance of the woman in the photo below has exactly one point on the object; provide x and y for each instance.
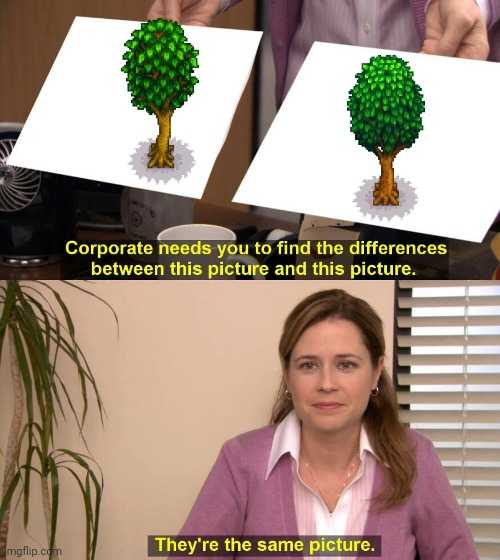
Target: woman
(335, 459)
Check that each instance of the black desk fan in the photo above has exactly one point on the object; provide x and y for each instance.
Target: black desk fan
(37, 209)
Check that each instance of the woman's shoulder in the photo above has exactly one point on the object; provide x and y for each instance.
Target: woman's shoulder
(426, 457)
(253, 440)
(250, 447)
(421, 443)
(418, 438)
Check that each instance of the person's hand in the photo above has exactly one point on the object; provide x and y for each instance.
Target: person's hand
(186, 12)
(455, 28)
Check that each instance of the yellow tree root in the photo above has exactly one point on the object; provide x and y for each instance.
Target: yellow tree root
(161, 152)
(386, 191)
(161, 159)
(381, 197)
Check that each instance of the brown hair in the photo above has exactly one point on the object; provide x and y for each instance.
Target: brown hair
(387, 435)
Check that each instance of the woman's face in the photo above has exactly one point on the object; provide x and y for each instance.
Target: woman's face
(330, 376)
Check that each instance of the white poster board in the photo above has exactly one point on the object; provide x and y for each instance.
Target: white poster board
(449, 180)
(84, 125)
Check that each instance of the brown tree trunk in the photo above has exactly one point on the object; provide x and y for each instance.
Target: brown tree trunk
(12, 442)
(161, 152)
(386, 190)
(47, 510)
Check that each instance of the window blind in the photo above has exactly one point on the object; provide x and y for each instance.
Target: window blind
(448, 380)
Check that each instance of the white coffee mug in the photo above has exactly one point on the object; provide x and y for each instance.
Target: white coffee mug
(204, 232)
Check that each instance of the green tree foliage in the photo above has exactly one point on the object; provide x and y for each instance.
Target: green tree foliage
(159, 66)
(386, 105)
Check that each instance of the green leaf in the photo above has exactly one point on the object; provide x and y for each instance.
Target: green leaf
(8, 307)
(160, 24)
(88, 512)
(23, 370)
(26, 486)
(75, 352)
(5, 503)
(54, 479)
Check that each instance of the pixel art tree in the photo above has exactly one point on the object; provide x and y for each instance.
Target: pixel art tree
(159, 68)
(386, 107)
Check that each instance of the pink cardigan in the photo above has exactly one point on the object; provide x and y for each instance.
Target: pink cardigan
(236, 500)
(284, 16)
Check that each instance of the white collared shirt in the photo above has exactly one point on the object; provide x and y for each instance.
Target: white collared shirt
(313, 517)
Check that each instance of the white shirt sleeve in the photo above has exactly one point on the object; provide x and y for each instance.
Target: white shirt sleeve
(484, 6)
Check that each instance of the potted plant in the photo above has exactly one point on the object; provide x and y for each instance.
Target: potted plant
(37, 324)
